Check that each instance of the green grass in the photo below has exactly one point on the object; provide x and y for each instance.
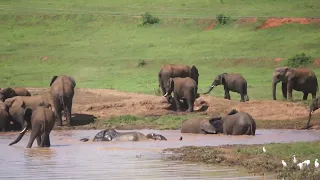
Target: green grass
(102, 51)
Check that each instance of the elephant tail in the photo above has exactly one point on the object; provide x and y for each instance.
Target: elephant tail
(65, 108)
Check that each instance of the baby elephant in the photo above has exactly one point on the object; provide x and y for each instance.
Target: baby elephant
(231, 82)
(235, 123)
(183, 89)
(42, 120)
(113, 135)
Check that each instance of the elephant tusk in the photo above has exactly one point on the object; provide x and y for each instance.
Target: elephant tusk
(165, 95)
(24, 129)
(212, 86)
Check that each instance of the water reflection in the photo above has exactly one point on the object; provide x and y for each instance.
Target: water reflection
(68, 158)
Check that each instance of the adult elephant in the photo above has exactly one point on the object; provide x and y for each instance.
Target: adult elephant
(299, 79)
(16, 106)
(4, 117)
(62, 92)
(6, 93)
(234, 123)
(176, 70)
(315, 104)
(231, 82)
(42, 121)
(183, 89)
(113, 135)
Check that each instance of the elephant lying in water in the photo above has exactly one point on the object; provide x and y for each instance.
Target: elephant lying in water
(113, 135)
(235, 123)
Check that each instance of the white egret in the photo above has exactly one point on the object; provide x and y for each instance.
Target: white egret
(300, 165)
(264, 149)
(316, 164)
(284, 163)
(294, 159)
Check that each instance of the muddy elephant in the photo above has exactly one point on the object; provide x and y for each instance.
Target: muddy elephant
(183, 89)
(4, 117)
(231, 82)
(315, 104)
(41, 120)
(113, 135)
(175, 70)
(62, 92)
(299, 79)
(16, 106)
(234, 123)
(6, 93)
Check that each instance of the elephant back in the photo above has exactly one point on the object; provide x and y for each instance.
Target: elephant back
(191, 126)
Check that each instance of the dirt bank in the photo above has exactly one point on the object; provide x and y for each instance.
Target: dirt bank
(105, 103)
(253, 158)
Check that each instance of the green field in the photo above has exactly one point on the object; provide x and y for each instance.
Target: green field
(100, 43)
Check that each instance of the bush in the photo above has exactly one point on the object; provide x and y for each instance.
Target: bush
(299, 60)
(147, 18)
(222, 19)
(141, 63)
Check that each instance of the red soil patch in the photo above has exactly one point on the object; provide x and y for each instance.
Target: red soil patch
(104, 103)
(316, 62)
(278, 59)
(210, 26)
(247, 20)
(44, 58)
(275, 22)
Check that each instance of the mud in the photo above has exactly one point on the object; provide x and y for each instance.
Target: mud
(276, 22)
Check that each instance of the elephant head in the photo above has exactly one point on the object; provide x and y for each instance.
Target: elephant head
(219, 80)
(194, 74)
(156, 136)
(105, 135)
(280, 74)
(212, 126)
(170, 86)
(27, 113)
(73, 82)
(7, 93)
(315, 104)
(16, 108)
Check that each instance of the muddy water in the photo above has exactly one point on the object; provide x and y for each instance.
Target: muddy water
(68, 158)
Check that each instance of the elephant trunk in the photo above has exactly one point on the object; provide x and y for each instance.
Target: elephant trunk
(210, 89)
(274, 86)
(21, 134)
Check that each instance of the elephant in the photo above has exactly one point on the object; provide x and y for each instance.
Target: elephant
(234, 123)
(183, 88)
(231, 82)
(16, 106)
(176, 70)
(62, 92)
(113, 135)
(299, 79)
(6, 93)
(315, 104)
(42, 120)
(4, 117)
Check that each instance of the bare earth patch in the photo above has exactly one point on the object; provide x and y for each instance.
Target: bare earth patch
(275, 22)
(104, 103)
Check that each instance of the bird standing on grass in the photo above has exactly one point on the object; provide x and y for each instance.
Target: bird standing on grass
(294, 159)
(300, 165)
(284, 163)
(316, 164)
(264, 149)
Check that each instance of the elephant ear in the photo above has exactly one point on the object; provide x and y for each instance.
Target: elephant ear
(53, 79)
(222, 78)
(73, 81)
(27, 115)
(14, 102)
(207, 127)
(194, 71)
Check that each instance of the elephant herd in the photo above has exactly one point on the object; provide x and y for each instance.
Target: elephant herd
(21, 110)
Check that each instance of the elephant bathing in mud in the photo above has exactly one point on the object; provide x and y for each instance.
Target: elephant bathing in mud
(62, 92)
(184, 89)
(235, 123)
(315, 104)
(231, 82)
(16, 106)
(174, 70)
(113, 135)
(41, 120)
(299, 79)
(6, 93)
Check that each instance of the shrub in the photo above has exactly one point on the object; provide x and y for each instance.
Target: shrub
(147, 18)
(299, 60)
(141, 63)
(222, 19)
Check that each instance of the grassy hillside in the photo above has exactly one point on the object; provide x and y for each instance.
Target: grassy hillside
(45, 38)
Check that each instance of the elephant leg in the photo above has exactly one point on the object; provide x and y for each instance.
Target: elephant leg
(39, 140)
(314, 94)
(176, 100)
(284, 90)
(305, 95)
(289, 89)
(57, 110)
(247, 97)
(228, 95)
(45, 140)
(242, 97)
(190, 106)
(34, 133)
(68, 113)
